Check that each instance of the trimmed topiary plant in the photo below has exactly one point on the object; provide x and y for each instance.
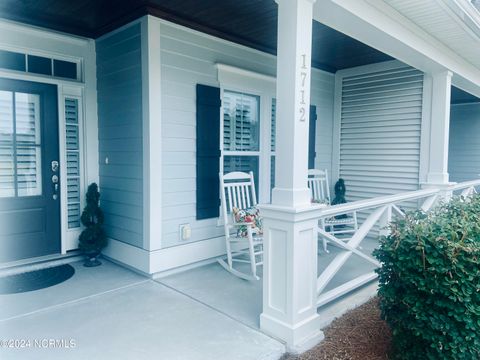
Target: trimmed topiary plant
(340, 191)
(93, 238)
(430, 282)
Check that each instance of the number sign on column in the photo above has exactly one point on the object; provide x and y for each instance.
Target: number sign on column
(303, 78)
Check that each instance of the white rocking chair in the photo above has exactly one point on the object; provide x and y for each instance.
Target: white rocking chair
(320, 193)
(238, 191)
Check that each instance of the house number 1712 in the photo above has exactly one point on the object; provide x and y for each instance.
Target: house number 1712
(303, 79)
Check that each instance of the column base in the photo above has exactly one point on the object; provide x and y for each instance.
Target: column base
(291, 197)
(445, 192)
(299, 338)
(437, 178)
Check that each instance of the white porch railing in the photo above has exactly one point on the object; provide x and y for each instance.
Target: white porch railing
(381, 212)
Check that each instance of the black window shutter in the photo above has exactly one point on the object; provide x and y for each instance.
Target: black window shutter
(311, 137)
(208, 151)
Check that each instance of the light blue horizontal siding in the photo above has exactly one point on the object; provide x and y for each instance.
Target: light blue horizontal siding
(119, 87)
(464, 150)
(381, 118)
(189, 58)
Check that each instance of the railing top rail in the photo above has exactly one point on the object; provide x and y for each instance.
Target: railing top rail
(465, 184)
(376, 202)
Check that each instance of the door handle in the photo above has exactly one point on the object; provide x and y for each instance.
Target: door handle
(55, 187)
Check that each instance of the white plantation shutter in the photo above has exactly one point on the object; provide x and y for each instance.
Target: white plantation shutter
(380, 132)
(241, 126)
(28, 146)
(20, 146)
(7, 167)
(73, 162)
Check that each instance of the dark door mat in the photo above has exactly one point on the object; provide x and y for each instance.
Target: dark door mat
(35, 280)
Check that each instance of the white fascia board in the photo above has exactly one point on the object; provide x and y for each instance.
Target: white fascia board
(378, 25)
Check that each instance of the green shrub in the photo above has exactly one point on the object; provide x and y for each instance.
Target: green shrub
(430, 282)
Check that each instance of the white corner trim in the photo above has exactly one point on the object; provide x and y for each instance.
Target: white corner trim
(152, 131)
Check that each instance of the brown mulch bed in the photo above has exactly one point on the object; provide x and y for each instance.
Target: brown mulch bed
(359, 334)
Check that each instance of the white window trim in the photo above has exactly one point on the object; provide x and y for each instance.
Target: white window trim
(240, 80)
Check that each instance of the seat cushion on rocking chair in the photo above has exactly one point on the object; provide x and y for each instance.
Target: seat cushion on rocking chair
(249, 215)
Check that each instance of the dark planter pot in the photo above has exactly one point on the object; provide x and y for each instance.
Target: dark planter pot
(92, 259)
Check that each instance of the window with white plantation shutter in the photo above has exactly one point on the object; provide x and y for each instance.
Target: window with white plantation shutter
(73, 162)
(20, 145)
(241, 133)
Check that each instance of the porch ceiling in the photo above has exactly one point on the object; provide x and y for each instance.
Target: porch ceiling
(251, 23)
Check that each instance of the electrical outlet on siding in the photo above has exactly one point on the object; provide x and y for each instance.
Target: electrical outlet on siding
(185, 232)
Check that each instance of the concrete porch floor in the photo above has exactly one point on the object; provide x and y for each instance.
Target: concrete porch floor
(242, 300)
(113, 313)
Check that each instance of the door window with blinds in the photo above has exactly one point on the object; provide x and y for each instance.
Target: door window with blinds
(20, 145)
(241, 133)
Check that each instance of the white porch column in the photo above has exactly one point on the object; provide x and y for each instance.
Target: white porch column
(290, 223)
(293, 102)
(436, 131)
(439, 128)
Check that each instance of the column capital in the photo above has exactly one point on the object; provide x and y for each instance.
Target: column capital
(446, 73)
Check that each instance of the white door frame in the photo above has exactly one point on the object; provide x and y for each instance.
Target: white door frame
(70, 89)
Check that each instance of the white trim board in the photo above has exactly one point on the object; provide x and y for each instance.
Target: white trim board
(177, 256)
(10, 25)
(168, 259)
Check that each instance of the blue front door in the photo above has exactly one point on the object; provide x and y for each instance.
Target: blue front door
(29, 171)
